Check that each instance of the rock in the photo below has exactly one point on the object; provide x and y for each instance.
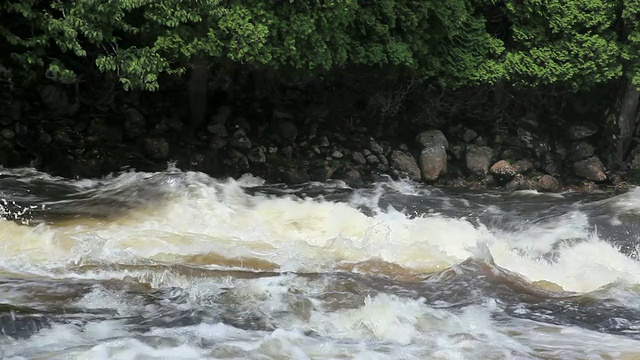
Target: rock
(529, 120)
(217, 143)
(156, 148)
(287, 151)
(295, 176)
(383, 160)
(287, 130)
(403, 147)
(548, 183)
(366, 152)
(221, 116)
(469, 135)
(237, 160)
(375, 147)
(551, 166)
(433, 162)
(322, 173)
(372, 159)
(358, 158)
(590, 169)
(257, 155)
(478, 159)
(217, 129)
(523, 166)
(502, 171)
(8, 134)
(432, 138)
(519, 182)
(336, 154)
(240, 141)
(323, 141)
(580, 150)
(134, 123)
(525, 138)
(352, 178)
(457, 151)
(579, 132)
(405, 164)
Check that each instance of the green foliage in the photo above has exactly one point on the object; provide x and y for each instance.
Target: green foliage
(578, 43)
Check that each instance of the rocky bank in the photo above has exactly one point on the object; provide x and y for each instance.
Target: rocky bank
(55, 129)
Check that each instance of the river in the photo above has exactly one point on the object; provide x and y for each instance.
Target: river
(178, 265)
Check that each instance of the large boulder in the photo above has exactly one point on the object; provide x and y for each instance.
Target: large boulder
(405, 164)
(478, 159)
(431, 139)
(433, 162)
(590, 169)
(502, 172)
(580, 150)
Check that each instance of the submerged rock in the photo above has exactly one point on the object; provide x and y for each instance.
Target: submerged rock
(433, 162)
(590, 169)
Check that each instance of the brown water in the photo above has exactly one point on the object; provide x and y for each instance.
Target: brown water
(177, 265)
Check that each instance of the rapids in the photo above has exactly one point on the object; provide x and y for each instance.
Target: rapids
(178, 265)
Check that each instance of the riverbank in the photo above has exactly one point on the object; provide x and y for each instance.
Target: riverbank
(315, 132)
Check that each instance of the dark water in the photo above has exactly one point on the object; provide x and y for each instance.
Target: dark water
(177, 265)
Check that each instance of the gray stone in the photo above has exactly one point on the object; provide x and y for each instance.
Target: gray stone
(433, 162)
(336, 154)
(590, 169)
(156, 148)
(578, 132)
(405, 164)
(478, 159)
(523, 166)
(548, 183)
(44, 138)
(358, 158)
(366, 152)
(8, 134)
(352, 178)
(526, 138)
(375, 147)
(287, 151)
(519, 182)
(404, 147)
(323, 141)
(580, 150)
(240, 141)
(383, 160)
(134, 123)
(372, 159)
(502, 172)
(469, 135)
(218, 129)
(432, 138)
(257, 156)
(217, 143)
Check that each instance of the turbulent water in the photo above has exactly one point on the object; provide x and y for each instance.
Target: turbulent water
(177, 265)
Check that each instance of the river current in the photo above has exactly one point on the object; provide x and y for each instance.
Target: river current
(178, 265)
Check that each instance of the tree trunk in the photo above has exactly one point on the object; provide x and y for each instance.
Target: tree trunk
(622, 123)
(197, 90)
